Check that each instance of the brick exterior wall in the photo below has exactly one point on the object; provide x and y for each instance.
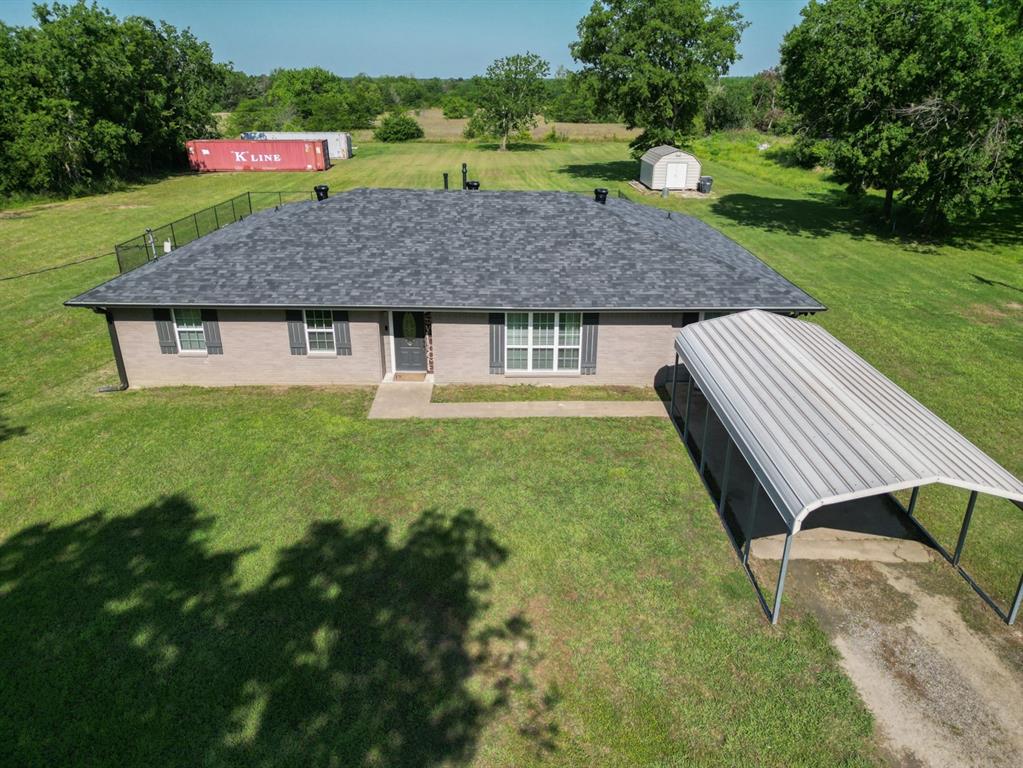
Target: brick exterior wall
(256, 351)
(633, 348)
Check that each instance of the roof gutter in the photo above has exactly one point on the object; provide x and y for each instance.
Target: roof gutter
(803, 310)
(122, 375)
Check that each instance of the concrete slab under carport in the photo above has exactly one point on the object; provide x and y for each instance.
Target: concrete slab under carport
(873, 528)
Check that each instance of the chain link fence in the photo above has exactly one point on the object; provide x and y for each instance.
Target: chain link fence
(160, 240)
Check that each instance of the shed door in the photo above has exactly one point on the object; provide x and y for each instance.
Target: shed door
(676, 176)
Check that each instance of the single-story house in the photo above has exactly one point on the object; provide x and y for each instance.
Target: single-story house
(469, 286)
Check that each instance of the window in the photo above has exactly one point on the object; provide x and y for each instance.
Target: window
(542, 341)
(319, 330)
(188, 330)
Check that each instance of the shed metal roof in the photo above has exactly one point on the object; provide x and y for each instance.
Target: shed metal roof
(818, 424)
(654, 154)
(435, 249)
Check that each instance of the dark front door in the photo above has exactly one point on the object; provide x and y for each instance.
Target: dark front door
(409, 341)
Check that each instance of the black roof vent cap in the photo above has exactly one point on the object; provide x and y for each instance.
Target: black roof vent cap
(321, 191)
(473, 185)
(600, 195)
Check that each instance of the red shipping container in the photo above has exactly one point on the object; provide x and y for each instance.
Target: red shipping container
(240, 155)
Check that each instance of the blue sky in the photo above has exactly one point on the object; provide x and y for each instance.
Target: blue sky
(443, 38)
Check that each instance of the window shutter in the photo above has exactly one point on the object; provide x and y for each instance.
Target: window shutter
(497, 342)
(211, 330)
(342, 333)
(296, 331)
(165, 331)
(588, 364)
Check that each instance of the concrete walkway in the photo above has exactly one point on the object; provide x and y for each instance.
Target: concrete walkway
(411, 400)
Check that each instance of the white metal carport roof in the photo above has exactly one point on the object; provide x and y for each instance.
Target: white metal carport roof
(817, 424)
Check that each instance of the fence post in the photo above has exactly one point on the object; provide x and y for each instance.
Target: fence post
(280, 198)
(216, 218)
(195, 223)
(250, 202)
(234, 212)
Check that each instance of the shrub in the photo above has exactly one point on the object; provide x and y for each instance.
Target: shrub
(398, 126)
(455, 107)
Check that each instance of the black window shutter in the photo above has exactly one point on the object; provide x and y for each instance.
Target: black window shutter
(497, 342)
(296, 331)
(588, 364)
(211, 330)
(342, 333)
(165, 331)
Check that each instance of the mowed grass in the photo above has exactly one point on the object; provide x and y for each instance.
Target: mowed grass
(471, 393)
(263, 576)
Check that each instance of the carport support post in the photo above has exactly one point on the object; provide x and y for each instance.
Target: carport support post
(674, 382)
(703, 442)
(781, 578)
(912, 501)
(689, 397)
(965, 529)
(1014, 611)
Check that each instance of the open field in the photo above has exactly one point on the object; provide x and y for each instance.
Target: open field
(436, 127)
(264, 576)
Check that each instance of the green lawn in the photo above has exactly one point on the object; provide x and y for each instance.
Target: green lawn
(470, 393)
(262, 576)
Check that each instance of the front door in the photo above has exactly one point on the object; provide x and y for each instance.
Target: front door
(676, 176)
(409, 341)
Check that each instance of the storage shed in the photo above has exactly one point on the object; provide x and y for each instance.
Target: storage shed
(670, 167)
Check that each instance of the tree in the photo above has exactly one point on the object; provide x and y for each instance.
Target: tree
(455, 107)
(768, 114)
(511, 93)
(653, 61)
(916, 97)
(398, 126)
(729, 104)
(572, 98)
(87, 98)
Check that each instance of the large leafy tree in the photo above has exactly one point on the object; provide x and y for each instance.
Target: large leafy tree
(510, 95)
(919, 98)
(654, 61)
(86, 97)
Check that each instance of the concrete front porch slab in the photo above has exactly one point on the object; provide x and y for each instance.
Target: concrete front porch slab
(412, 400)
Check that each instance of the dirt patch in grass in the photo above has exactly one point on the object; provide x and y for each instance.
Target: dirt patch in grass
(989, 314)
(942, 692)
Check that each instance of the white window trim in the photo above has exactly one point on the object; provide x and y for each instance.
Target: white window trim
(308, 341)
(556, 347)
(177, 331)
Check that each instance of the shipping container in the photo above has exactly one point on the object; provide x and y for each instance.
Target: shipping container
(237, 155)
(339, 145)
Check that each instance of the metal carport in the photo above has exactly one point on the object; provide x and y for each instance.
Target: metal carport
(817, 425)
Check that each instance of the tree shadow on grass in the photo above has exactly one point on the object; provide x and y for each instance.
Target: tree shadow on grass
(6, 430)
(127, 641)
(613, 170)
(836, 212)
(821, 215)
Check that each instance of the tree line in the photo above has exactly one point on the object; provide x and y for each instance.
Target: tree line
(918, 98)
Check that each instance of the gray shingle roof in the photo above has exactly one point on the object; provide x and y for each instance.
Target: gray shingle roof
(459, 250)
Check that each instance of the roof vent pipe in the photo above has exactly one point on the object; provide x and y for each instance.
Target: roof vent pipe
(465, 175)
(473, 185)
(445, 180)
(321, 191)
(600, 195)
